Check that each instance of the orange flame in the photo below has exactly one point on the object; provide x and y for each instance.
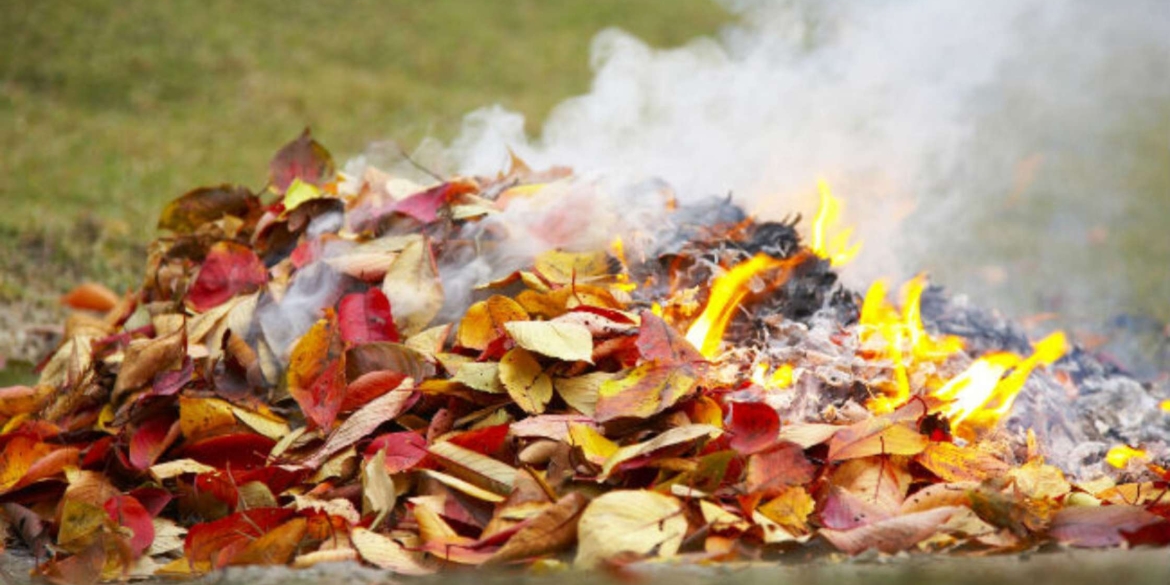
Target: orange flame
(834, 248)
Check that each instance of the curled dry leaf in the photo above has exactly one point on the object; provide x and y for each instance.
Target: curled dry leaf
(551, 531)
(207, 204)
(890, 535)
(387, 553)
(624, 521)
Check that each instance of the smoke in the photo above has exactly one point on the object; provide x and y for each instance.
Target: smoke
(994, 143)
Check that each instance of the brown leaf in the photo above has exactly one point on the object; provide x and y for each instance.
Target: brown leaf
(891, 535)
(207, 204)
(553, 530)
(661, 342)
(146, 358)
(771, 472)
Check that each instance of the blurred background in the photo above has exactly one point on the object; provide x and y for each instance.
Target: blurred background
(1019, 151)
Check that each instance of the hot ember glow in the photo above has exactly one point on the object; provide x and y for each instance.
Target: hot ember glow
(1121, 455)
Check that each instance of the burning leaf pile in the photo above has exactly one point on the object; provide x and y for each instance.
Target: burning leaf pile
(302, 382)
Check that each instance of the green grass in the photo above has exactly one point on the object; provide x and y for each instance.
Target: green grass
(109, 109)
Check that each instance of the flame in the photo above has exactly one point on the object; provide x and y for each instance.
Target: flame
(706, 333)
(781, 377)
(906, 342)
(977, 399)
(618, 248)
(1165, 405)
(1120, 455)
(835, 248)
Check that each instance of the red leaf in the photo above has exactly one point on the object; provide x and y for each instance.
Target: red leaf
(304, 159)
(366, 317)
(316, 372)
(659, 341)
(237, 451)
(217, 542)
(1149, 535)
(754, 426)
(403, 450)
(370, 386)
(425, 206)
(768, 473)
(487, 441)
(151, 439)
(129, 512)
(229, 269)
(154, 499)
(1098, 526)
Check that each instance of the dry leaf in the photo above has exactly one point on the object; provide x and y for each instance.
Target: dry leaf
(525, 380)
(561, 340)
(624, 521)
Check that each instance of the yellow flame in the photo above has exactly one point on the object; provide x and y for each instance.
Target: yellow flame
(1120, 456)
(781, 377)
(977, 399)
(727, 291)
(1165, 405)
(618, 248)
(835, 248)
(906, 342)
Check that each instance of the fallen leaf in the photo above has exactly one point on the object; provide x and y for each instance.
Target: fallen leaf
(562, 267)
(790, 509)
(203, 416)
(402, 450)
(625, 521)
(153, 437)
(128, 512)
(412, 284)
(890, 535)
(525, 380)
(659, 341)
(17, 456)
(366, 317)
(317, 372)
(668, 438)
(304, 159)
(386, 553)
(217, 542)
(553, 530)
(361, 423)
(484, 321)
(581, 392)
(644, 391)
(90, 296)
(953, 463)
(561, 340)
(230, 269)
(378, 493)
(500, 475)
(207, 204)
(275, 547)
(876, 437)
(770, 472)
(754, 426)
(146, 358)
(1098, 526)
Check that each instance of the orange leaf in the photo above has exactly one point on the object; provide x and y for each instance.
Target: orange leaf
(90, 296)
(484, 321)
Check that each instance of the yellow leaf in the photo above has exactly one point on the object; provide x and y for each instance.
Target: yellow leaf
(482, 376)
(626, 521)
(79, 520)
(561, 340)
(265, 423)
(596, 448)
(378, 493)
(412, 284)
(465, 487)
(484, 321)
(581, 392)
(297, 194)
(525, 380)
(567, 267)
(790, 509)
(164, 471)
(276, 547)
(201, 416)
(1036, 479)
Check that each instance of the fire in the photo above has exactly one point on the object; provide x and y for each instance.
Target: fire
(1120, 456)
(706, 333)
(780, 378)
(835, 248)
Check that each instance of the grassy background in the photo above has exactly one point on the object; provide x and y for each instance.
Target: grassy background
(109, 109)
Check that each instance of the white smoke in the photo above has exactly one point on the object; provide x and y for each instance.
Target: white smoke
(948, 127)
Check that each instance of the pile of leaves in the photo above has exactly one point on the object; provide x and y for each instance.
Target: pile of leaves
(556, 421)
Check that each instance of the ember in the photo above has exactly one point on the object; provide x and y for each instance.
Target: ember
(307, 381)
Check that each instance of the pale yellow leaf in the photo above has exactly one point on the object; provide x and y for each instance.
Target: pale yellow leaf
(525, 380)
(412, 284)
(500, 475)
(629, 521)
(675, 436)
(561, 340)
(387, 553)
